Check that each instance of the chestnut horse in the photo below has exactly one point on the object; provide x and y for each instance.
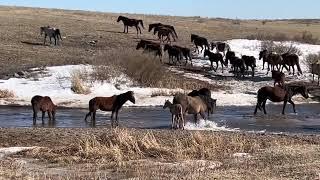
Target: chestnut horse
(279, 94)
(44, 104)
(113, 103)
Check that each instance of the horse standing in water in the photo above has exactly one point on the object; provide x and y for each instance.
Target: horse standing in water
(113, 103)
(44, 104)
(132, 23)
(52, 33)
(279, 94)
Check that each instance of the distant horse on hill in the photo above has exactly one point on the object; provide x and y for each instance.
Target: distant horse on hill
(127, 22)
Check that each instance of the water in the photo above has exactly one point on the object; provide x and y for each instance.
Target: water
(307, 120)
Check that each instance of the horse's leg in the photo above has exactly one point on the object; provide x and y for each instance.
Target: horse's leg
(55, 40)
(43, 114)
(256, 109)
(49, 115)
(112, 122)
(45, 38)
(87, 115)
(264, 106)
(124, 28)
(293, 69)
(172, 121)
(117, 121)
(34, 116)
(222, 65)
(293, 105)
(137, 28)
(263, 65)
(195, 118)
(284, 106)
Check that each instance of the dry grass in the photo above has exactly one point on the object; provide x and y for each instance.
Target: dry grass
(163, 92)
(4, 93)
(304, 37)
(79, 82)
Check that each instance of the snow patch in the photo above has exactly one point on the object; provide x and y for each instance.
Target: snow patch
(12, 150)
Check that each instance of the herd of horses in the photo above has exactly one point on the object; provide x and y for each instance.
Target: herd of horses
(197, 102)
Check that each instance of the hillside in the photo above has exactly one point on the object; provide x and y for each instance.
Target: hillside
(21, 44)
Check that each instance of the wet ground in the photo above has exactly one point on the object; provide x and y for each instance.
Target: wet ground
(307, 120)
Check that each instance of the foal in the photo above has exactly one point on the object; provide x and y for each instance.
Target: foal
(44, 104)
(177, 114)
(278, 77)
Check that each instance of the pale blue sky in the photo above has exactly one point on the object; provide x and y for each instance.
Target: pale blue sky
(244, 9)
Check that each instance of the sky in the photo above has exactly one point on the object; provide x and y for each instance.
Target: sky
(241, 9)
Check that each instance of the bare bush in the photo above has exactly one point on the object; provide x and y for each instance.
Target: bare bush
(5, 93)
(279, 48)
(165, 93)
(313, 59)
(306, 37)
(78, 82)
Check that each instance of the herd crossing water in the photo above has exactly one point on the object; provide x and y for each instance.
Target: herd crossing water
(240, 118)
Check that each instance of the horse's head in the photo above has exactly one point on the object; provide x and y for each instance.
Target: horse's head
(130, 96)
(151, 26)
(213, 104)
(193, 36)
(213, 45)
(119, 18)
(262, 54)
(41, 30)
(140, 45)
(166, 104)
(194, 93)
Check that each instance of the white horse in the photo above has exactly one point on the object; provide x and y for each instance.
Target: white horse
(52, 33)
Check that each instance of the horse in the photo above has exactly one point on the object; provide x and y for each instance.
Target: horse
(186, 52)
(191, 105)
(271, 58)
(44, 104)
(164, 32)
(205, 95)
(113, 103)
(199, 41)
(291, 60)
(279, 94)
(278, 77)
(150, 46)
(238, 65)
(220, 47)
(250, 61)
(52, 33)
(229, 56)
(173, 52)
(155, 25)
(127, 22)
(216, 57)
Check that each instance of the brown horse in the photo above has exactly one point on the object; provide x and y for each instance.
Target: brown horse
(164, 32)
(113, 103)
(291, 60)
(271, 58)
(149, 46)
(44, 104)
(191, 105)
(132, 23)
(185, 52)
(173, 52)
(205, 95)
(279, 94)
(278, 77)
(250, 61)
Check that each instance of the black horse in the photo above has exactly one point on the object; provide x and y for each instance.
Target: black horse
(279, 94)
(214, 57)
(127, 22)
(173, 52)
(164, 32)
(155, 25)
(250, 61)
(238, 65)
(199, 42)
(149, 46)
(186, 52)
(273, 60)
(291, 60)
(229, 56)
(113, 103)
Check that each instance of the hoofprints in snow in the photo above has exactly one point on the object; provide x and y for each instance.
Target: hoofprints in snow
(56, 82)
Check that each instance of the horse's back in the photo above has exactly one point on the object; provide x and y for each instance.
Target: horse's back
(275, 94)
(102, 103)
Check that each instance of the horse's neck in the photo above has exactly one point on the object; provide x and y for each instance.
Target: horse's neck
(121, 100)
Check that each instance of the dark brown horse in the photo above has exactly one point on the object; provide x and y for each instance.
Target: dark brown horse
(239, 66)
(279, 94)
(164, 32)
(278, 77)
(199, 42)
(250, 61)
(186, 52)
(214, 57)
(291, 60)
(273, 60)
(229, 56)
(155, 25)
(127, 22)
(113, 103)
(173, 52)
(149, 46)
(44, 104)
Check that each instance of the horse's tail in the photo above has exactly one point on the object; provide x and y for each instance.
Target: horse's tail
(141, 22)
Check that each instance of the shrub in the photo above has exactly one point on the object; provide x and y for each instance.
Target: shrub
(78, 82)
(312, 59)
(5, 93)
(306, 37)
(279, 48)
